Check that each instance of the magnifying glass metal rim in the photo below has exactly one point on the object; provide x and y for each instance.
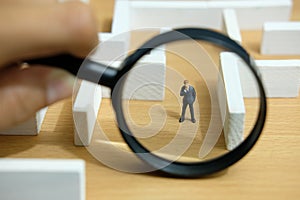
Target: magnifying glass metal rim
(193, 169)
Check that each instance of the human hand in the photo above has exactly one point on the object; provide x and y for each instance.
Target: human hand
(31, 29)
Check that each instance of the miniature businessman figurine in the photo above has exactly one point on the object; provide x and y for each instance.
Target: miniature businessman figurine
(189, 96)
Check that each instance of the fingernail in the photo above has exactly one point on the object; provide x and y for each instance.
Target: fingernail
(60, 86)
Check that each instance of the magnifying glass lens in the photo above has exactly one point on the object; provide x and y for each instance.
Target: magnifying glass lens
(189, 101)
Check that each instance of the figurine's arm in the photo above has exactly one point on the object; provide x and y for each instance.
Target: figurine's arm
(194, 93)
(182, 91)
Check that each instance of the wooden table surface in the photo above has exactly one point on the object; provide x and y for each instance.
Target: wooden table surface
(270, 171)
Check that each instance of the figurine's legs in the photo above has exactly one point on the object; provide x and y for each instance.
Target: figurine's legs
(191, 105)
(183, 112)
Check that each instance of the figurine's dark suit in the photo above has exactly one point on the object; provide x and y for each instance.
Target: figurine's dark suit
(189, 96)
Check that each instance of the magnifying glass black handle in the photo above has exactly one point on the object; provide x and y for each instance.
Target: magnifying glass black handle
(64, 61)
(85, 69)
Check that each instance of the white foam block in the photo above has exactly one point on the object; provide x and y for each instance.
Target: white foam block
(29, 127)
(36, 179)
(231, 89)
(85, 112)
(231, 26)
(156, 14)
(121, 17)
(280, 78)
(281, 38)
(112, 47)
(146, 81)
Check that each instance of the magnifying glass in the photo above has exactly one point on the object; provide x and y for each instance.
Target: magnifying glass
(177, 136)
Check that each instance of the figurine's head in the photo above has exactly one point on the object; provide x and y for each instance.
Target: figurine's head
(186, 82)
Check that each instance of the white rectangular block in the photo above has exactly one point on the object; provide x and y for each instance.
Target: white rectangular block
(156, 14)
(146, 81)
(121, 17)
(281, 38)
(29, 127)
(85, 112)
(112, 47)
(253, 14)
(280, 78)
(230, 95)
(174, 14)
(36, 179)
(231, 26)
